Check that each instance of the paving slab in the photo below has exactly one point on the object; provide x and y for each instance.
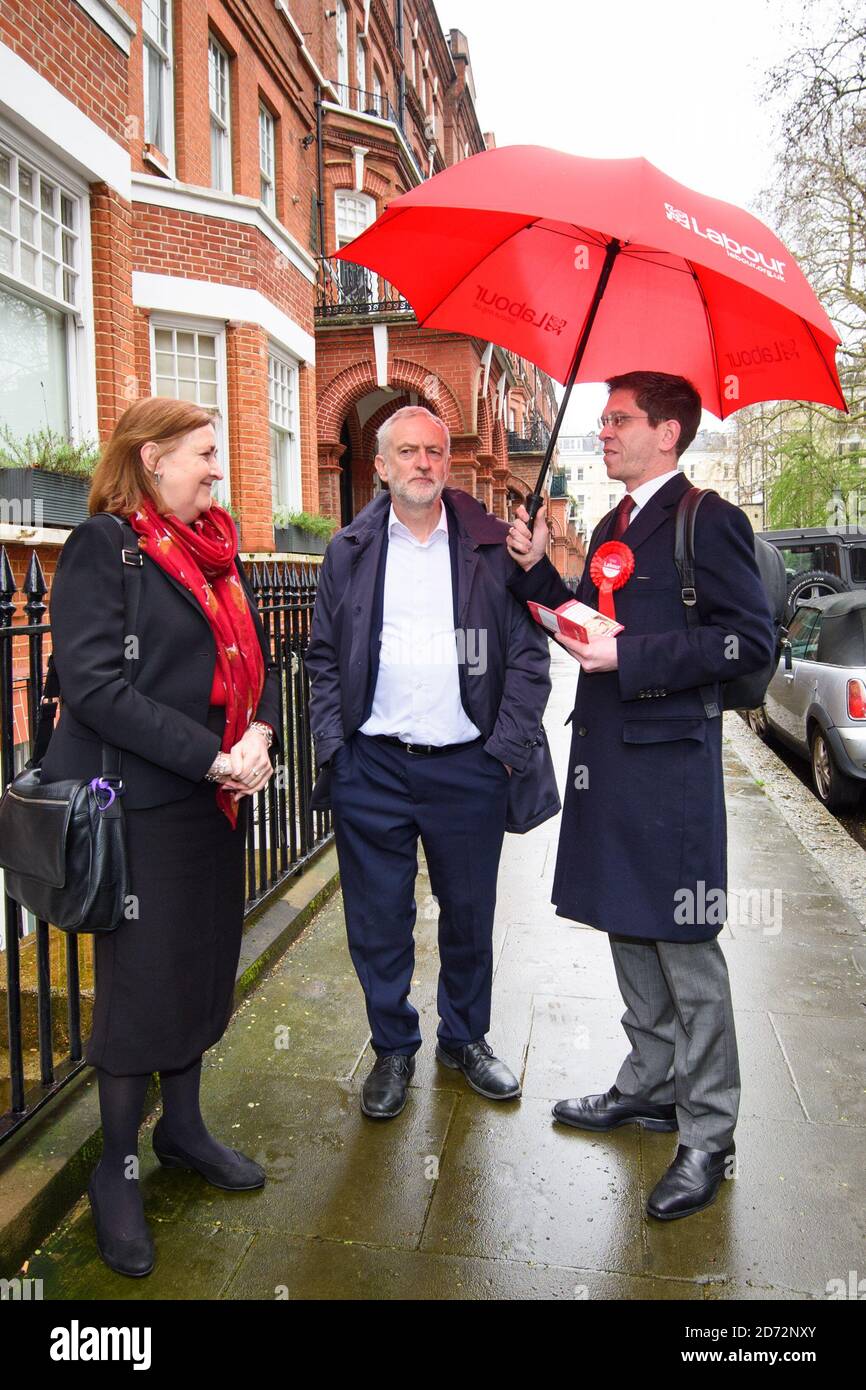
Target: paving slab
(462, 1198)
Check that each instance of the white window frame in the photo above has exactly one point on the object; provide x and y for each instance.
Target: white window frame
(360, 71)
(80, 338)
(267, 159)
(164, 53)
(377, 95)
(291, 479)
(342, 196)
(220, 121)
(216, 329)
(342, 30)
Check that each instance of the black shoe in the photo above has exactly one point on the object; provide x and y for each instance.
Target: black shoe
(613, 1109)
(384, 1092)
(691, 1183)
(234, 1177)
(484, 1072)
(134, 1257)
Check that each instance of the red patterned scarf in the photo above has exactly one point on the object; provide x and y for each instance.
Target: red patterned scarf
(201, 557)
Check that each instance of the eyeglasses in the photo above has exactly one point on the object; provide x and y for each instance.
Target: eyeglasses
(617, 419)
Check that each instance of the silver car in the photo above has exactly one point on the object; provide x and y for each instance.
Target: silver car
(816, 700)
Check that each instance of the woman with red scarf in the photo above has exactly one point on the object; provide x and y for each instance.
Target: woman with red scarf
(194, 727)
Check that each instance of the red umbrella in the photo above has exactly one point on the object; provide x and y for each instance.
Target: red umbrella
(592, 267)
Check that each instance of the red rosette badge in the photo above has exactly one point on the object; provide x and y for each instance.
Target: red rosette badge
(611, 566)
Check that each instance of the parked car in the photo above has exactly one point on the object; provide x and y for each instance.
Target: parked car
(821, 560)
(816, 700)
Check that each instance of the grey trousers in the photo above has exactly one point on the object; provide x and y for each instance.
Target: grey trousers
(680, 1023)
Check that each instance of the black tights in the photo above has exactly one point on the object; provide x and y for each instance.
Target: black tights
(121, 1101)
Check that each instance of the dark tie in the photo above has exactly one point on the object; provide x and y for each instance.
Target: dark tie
(621, 518)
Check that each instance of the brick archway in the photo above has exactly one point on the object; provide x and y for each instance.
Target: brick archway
(515, 483)
(484, 428)
(376, 419)
(343, 393)
(347, 387)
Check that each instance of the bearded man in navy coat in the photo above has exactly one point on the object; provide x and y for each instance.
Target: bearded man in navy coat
(428, 684)
(642, 843)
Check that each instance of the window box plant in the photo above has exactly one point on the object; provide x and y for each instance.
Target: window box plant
(45, 478)
(301, 532)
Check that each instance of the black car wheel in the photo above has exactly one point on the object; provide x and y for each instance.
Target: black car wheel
(812, 584)
(838, 791)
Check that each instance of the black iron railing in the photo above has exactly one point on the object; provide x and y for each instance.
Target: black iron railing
(348, 289)
(46, 976)
(533, 440)
(376, 104)
(558, 484)
(368, 103)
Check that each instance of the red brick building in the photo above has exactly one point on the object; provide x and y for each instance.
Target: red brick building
(406, 110)
(170, 171)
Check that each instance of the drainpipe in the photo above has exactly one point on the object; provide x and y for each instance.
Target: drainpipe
(320, 182)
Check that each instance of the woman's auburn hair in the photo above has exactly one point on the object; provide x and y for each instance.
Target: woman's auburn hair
(120, 479)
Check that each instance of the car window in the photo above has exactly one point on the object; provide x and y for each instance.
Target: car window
(799, 630)
(827, 557)
(858, 563)
(800, 558)
(810, 651)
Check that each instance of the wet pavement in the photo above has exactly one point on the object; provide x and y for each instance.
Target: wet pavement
(463, 1198)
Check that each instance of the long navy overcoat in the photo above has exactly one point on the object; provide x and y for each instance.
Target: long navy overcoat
(642, 846)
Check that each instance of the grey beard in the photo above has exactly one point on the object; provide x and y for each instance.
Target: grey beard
(402, 493)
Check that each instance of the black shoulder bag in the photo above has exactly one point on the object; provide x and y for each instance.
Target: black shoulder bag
(743, 692)
(62, 844)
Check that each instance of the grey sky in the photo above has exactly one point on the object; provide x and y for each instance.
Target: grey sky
(676, 82)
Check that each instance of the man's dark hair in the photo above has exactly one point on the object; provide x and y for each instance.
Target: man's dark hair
(663, 397)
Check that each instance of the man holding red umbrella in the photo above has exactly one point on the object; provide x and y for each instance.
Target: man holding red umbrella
(642, 843)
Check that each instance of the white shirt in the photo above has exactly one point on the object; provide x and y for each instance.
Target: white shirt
(417, 696)
(642, 494)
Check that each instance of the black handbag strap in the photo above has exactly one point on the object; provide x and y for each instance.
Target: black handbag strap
(131, 578)
(684, 559)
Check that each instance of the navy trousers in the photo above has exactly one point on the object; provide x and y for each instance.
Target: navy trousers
(383, 799)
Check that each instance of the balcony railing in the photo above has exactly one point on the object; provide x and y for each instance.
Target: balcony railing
(558, 485)
(368, 103)
(533, 440)
(348, 290)
(375, 104)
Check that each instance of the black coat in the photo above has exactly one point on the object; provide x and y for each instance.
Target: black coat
(643, 821)
(160, 721)
(505, 700)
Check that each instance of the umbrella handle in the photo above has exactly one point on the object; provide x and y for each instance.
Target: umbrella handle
(533, 505)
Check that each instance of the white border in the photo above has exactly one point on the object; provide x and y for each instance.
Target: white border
(283, 9)
(387, 125)
(234, 207)
(171, 294)
(31, 102)
(114, 21)
(80, 334)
